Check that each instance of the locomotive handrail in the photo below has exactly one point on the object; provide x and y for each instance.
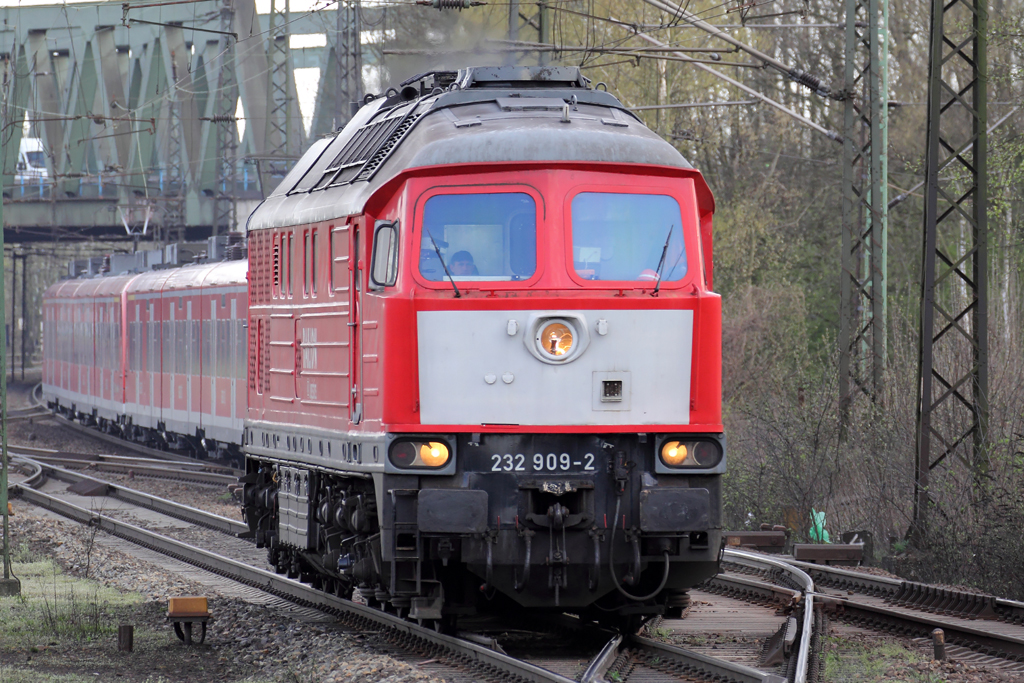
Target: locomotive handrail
(807, 630)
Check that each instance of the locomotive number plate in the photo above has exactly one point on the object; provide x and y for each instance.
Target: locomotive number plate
(542, 462)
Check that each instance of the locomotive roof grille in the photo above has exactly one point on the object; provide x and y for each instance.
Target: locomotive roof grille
(372, 144)
(404, 126)
(364, 144)
(477, 118)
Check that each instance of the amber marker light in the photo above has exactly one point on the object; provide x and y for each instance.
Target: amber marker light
(556, 339)
(434, 454)
(673, 453)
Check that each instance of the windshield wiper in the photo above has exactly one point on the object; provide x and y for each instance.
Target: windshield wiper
(661, 261)
(445, 265)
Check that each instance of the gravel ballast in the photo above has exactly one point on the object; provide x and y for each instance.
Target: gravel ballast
(247, 641)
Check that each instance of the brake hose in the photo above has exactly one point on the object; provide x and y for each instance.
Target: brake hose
(611, 564)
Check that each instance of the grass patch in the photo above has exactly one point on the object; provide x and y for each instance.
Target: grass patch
(847, 659)
(56, 608)
(10, 674)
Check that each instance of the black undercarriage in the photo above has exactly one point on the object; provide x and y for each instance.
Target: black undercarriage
(601, 535)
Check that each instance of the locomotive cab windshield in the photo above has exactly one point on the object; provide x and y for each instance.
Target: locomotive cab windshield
(618, 236)
(490, 236)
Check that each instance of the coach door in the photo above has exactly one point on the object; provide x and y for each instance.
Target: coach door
(190, 361)
(232, 355)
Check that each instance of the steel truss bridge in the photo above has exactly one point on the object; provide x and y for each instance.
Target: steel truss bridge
(135, 105)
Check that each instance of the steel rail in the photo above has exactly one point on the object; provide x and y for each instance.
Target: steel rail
(758, 561)
(751, 588)
(142, 470)
(471, 653)
(671, 658)
(907, 617)
(146, 500)
(848, 579)
(694, 663)
(602, 661)
(35, 476)
(1005, 646)
(26, 413)
(887, 587)
(129, 459)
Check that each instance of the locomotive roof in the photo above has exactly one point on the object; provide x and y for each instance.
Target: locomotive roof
(486, 114)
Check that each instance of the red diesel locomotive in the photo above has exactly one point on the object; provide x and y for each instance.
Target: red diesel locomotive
(484, 355)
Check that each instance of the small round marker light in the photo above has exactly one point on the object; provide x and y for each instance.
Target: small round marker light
(433, 454)
(403, 454)
(673, 453)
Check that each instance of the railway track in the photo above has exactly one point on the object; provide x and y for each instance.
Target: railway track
(622, 657)
(192, 471)
(976, 622)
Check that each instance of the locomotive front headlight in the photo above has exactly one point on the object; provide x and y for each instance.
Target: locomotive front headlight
(673, 453)
(556, 339)
(434, 454)
(696, 454)
(419, 455)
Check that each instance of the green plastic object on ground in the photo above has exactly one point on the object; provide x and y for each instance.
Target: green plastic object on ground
(818, 533)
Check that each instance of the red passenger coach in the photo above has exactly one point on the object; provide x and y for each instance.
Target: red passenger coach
(484, 355)
(84, 363)
(158, 357)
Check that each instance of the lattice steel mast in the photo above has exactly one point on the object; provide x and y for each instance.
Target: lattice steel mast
(349, 74)
(226, 206)
(953, 359)
(863, 314)
(173, 223)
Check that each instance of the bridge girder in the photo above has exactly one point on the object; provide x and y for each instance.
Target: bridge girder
(102, 97)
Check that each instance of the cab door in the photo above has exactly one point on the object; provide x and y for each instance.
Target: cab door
(356, 323)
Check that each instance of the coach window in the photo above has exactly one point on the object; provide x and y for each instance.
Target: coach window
(339, 258)
(479, 237)
(627, 237)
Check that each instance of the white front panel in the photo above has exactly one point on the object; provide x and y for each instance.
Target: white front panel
(467, 357)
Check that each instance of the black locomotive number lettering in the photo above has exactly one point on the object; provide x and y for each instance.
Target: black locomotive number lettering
(553, 462)
(508, 462)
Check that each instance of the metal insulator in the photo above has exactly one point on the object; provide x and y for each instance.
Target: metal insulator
(450, 4)
(809, 80)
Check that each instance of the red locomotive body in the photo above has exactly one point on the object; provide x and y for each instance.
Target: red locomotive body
(484, 353)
